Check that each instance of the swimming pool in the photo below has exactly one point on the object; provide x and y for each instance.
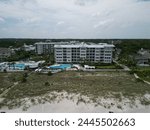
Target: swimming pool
(18, 66)
(60, 66)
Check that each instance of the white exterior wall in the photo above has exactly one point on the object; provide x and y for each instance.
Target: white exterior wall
(108, 54)
(83, 52)
(59, 55)
(79, 53)
(69, 54)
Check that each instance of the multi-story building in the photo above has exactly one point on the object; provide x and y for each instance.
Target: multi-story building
(46, 47)
(84, 53)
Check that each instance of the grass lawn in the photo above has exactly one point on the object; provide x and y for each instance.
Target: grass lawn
(109, 67)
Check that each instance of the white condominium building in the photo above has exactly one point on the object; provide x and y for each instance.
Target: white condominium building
(101, 52)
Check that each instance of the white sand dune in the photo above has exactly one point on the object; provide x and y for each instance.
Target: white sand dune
(66, 105)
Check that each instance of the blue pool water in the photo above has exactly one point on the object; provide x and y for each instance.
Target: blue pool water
(61, 66)
(18, 66)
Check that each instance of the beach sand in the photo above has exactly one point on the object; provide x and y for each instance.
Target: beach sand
(72, 103)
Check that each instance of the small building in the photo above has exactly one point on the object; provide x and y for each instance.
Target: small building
(89, 67)
(143, 57)
(28, 47)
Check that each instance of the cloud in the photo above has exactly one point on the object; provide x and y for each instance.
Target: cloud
(75, 18)
(85, 2)
(2, 20)
(144, 0)
(102, 23)
(60, 22)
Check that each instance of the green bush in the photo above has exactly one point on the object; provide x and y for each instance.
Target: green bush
(23, 80)
(5, 71)
(139, 80)
(49, 73)
(47, 84)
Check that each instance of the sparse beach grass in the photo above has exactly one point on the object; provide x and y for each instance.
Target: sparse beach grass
(116, 85)
(7, 80)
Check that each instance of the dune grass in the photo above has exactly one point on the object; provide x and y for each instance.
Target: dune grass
(92, 84)
(7, 80)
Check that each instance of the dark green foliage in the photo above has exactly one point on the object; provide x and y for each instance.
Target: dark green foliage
(132, 46)
(47, 84)
(24, 77)
(23, 80)
(49, 73)
(129, 48)
(144, 74)
(139, 80)
(25, 74)
(17, 42)
(20, 55)
(5, 71)
(132, 71)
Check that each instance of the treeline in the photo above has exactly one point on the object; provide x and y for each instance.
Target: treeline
(20, 55)
(17, 42)
(129, 48)
(131, 45)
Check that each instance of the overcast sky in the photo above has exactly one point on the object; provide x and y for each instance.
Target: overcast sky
(74, 18)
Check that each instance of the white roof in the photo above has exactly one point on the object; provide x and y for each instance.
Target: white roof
(42, 43)
(39, 43)
(100, 45)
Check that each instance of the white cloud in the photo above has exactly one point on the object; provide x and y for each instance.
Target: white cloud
(75, 18)
(2, 20)
(60, 22)
(104, 22)
(85, 2)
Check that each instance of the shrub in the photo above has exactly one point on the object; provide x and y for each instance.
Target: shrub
(139, 80)
(23, 78)
(49, 73)
(132, 72)
(25, 74)
(33, 100)
(47, 84)
(5, 71)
